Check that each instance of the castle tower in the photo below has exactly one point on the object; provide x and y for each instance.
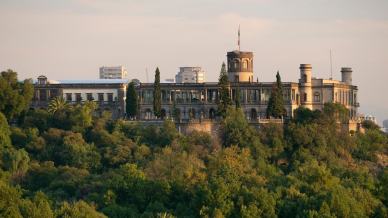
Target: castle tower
(240, 66)
(346, 75)
(305, 85)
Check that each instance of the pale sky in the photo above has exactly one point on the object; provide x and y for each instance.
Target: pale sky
(71, 39)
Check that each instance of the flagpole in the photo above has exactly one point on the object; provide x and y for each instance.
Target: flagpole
(238, 43)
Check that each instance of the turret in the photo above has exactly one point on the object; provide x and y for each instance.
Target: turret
(346, 75)
(305, 73)
(240, 66)
(305, 85)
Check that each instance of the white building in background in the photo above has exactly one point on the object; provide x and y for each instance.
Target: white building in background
(117, 72)
(368, 117)
(190, 75)
(385, 126)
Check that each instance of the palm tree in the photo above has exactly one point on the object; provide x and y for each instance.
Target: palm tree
(57, 104)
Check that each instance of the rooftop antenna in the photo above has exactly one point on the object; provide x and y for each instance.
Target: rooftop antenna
(238, 42)
(147, 74)
(331, 66)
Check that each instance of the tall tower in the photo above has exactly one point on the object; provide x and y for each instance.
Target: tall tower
(346, 75)
(240, 66)
(305, 89)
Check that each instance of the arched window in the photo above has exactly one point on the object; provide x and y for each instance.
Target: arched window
(304, 78)
(253, 114)
(245, 65)
(317, 97)
(236, 64)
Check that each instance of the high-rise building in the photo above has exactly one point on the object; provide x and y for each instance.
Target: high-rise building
(190, 75)
(116, 72)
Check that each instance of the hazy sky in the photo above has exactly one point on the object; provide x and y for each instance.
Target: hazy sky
(71, 39)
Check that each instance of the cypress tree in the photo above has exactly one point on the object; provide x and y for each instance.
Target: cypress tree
(131, 101)
(224, 100)
(157, 94)
(275, 106)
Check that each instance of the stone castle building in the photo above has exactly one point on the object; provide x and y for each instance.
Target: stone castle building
(199, 100)
(109, 94)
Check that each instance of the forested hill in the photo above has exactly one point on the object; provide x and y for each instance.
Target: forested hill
(69, 162)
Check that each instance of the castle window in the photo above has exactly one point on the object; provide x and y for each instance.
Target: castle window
(69, 97)
(236, 65)
(89, 96)
(293, 94)
(245, 64)
(304, 78)
(305, 97)
(78, 97)
(110, 97)
(317, 97)
(100, 97)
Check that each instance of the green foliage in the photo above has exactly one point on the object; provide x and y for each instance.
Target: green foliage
(368, 124)
(78, 209)
(275, 106)
(224, 100)
(15, 97)
(57, 105)
(236, 130)
(39, 119)
(157, 95)
(336, 111)
(72, 163)
(5, 132)
(131, 101)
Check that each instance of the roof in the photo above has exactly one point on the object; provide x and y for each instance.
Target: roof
(96, 81)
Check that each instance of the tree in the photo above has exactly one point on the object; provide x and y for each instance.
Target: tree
(157, 94)
(5, 132)
(368, 124)
(236, 130)
(57, 105)
(275, 106)
(82, 116)
(15, 97)
(78, 209)
(131, 101)
(224, 100)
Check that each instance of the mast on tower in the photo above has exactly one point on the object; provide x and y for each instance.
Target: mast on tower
(238, 41)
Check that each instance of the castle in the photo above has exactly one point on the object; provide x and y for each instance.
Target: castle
(199, 100)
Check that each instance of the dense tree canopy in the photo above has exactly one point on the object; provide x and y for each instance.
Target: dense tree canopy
(78, 163)
(15, 96)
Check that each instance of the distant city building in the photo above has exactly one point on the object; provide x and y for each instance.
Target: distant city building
(190, 75)
(385, 124)
(118, 72)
